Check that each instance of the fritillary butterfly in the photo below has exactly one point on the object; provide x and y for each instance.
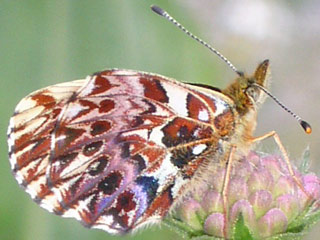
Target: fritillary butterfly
(118, 149)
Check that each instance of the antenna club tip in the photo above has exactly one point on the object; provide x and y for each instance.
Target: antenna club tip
(157, 10)
(306, 126)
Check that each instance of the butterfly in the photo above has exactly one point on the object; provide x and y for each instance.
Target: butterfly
(119, 149)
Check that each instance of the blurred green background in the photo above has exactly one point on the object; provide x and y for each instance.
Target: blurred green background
(47, 42)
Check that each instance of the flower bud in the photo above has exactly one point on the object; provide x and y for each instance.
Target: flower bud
(214, 225)
(273, 222)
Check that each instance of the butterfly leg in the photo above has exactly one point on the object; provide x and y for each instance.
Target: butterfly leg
(225, 186)
(276, 138)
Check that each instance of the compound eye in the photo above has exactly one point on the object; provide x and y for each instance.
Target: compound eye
(253, 93)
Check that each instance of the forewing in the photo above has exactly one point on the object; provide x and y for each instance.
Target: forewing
(119, 150)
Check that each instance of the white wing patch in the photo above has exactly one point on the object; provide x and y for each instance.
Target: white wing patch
(177, 99)
(199, 149)
(203, 115)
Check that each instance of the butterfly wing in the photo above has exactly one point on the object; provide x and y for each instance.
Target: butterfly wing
(117, 149)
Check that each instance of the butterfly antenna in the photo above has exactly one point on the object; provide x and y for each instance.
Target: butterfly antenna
(166, 15)
(306, 126)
